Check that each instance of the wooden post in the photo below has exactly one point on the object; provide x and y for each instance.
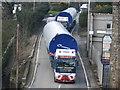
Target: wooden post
(17, 55)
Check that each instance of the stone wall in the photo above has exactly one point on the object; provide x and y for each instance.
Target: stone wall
(115, 48)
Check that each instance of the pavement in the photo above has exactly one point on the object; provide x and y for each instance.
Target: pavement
(83, 52)
(33, 60)
(44, 77)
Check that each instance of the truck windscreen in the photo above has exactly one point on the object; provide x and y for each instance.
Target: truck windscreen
(66, 63)
(65, 24)
(66, 66)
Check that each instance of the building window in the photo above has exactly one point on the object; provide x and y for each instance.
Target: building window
(109, 26)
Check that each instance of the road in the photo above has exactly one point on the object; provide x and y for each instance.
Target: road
(81, 40)
(44, 77)
(44, 74)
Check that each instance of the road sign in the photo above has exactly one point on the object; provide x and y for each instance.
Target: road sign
(106, 43)
(106, 49)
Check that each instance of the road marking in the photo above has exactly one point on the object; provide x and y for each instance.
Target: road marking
(86, 77)
(36, 64)
(59, 86)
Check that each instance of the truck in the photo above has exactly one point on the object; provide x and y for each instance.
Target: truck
(62, 49)
(49, 19)
(84, 7)
(65, 65)
(67, 18)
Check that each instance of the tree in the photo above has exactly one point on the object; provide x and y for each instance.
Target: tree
(8, 7)
(102, 7)
(58, 6)
(30, 20)
(83, 19)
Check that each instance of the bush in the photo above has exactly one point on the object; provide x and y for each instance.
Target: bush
(102, 9)
(55, 6)
(8, 31)
(83, 19)
(75, 5)
(31, 20)
(6, 57)
(53, 12)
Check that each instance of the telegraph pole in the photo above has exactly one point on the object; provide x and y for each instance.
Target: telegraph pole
(17, 42)
(88, 27)
(17, 55)
(33, 5)
(1, 54)
(68, 3)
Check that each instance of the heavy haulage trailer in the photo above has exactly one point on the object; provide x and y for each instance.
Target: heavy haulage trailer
(67, 18)
(62, 48)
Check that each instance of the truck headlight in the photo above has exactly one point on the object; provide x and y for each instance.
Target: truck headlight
(58, 76)
(72, 76)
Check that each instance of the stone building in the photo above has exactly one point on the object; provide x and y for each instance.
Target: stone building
(100, 27)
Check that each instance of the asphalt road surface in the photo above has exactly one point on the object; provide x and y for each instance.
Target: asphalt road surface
(44, 77)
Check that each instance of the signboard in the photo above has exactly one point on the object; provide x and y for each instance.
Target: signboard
(91, 32)
(106, 43)
(62, 19)
(101, 32)
(108, 32)
(65, 53)
(66, 56)
(106, 49)
(107, 39)
(67, 67)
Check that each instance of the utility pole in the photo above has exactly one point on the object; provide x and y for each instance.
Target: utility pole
(115, 48)
(68, 3)
(1, 46)
(17, 55)
(88, 26)
(33, 5)
(17, 7)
